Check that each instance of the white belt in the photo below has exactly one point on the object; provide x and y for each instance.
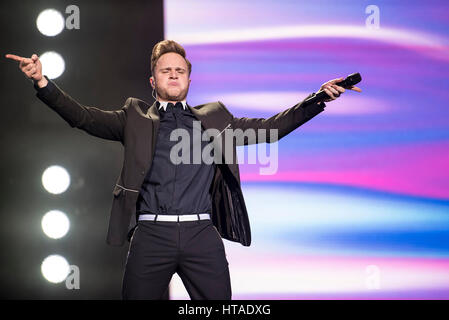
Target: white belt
(175, 218)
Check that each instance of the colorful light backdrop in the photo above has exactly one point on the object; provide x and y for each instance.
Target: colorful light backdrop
(358, 207)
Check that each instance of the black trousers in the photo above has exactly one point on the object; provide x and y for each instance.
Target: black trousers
(192, 249)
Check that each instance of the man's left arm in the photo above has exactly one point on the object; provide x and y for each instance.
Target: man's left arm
(288, 120)
(284, 122)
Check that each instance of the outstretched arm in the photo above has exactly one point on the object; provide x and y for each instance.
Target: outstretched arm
(100, 123)
(288, 120)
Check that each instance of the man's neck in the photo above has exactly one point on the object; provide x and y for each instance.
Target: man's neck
(167, 101)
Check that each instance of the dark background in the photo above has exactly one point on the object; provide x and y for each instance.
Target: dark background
(107, 60)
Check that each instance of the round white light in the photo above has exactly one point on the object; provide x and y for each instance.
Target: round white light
(50, 22)
(55, 268)
(53, 64)
(55, 179)
(55, 224)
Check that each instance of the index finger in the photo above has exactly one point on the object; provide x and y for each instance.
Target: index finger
(355, 89)
(334, 81)
(14, 57)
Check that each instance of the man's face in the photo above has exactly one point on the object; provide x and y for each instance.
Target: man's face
(172, 77)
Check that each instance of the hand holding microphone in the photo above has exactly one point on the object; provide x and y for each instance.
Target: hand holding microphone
(332, 89)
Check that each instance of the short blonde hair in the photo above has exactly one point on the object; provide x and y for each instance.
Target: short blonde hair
(167, 46)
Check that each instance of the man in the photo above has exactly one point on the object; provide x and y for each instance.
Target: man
(175, 214)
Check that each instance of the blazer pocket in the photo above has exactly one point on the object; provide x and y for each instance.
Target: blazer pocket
(117, 191)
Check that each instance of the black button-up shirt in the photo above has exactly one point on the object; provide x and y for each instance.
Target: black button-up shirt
(182, 188)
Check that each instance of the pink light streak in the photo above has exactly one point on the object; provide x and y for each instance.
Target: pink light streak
(421, 169)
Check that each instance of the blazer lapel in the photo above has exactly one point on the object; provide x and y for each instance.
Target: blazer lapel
(153, 113)
(218, 123)
(200, 116)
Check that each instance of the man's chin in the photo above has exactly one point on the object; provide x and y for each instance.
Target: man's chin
(174, 95)
(177, 97)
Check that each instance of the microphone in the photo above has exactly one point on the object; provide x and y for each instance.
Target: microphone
(347, 83)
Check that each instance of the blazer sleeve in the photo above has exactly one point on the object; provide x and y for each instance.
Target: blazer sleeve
(285, 122)
(100, 123)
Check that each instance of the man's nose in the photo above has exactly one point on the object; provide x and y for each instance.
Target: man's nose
(173, 75)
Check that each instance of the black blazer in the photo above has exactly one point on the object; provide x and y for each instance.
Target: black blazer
(136, 126)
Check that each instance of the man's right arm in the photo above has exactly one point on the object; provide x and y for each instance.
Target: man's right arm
(100, 123)
(97, 122)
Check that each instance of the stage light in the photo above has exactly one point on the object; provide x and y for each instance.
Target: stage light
(53, 64)
(50, 22)
(55, 268)
(55, 179)
(55, 224)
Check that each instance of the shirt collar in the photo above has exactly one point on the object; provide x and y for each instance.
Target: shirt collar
(165, 103)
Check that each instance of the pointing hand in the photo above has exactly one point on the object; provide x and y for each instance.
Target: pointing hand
(31, 67)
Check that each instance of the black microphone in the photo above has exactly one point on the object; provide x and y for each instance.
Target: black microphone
(347, 83)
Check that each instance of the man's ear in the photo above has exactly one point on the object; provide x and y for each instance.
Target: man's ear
(152, 82)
